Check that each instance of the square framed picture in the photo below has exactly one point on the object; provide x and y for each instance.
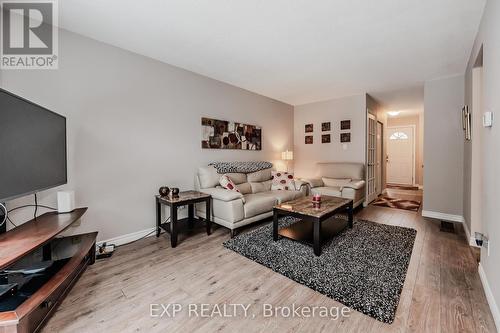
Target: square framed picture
(309, 139)
(345, 137)
(345, 124)
(325, 138)
(309, 128)
(325, 127)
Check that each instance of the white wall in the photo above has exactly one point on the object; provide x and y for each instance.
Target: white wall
(134, 124)
(443, 146)
(489, 37)
(348, 108)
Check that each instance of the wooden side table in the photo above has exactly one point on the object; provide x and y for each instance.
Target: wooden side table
(175, 225)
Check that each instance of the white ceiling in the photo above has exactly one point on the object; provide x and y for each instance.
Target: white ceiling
(408, 101)
(296, 51)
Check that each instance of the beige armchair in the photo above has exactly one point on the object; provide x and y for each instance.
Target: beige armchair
(344, 180)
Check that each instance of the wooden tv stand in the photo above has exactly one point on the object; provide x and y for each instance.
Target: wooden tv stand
(36, 238)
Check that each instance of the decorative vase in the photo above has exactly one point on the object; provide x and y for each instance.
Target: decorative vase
(174, 192)
(164, 190)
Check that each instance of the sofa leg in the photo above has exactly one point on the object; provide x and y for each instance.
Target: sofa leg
(233, 233)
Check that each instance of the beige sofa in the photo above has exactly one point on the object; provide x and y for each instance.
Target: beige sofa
(344, 180)
(255, 202)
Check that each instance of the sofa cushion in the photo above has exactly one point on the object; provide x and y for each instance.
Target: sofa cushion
(256, 204)
(283, 195)
(282, 181)
(245, 188)
(261, 186)
(208, 177)
(336, 181)
(342, 170)
(219, 193)
(314, 182)
(356, 184)
(333, 191)
(259, 176)
(237, 177)
(227, 183)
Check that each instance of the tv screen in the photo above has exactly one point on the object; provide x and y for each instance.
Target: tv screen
(32, 147)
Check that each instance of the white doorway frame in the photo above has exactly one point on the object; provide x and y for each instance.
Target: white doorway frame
(414, 148)
(371, 146)
(382, 158)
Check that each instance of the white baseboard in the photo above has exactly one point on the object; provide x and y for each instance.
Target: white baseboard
(124, 239)
(470, 238)
(443, 216)
(489, 297)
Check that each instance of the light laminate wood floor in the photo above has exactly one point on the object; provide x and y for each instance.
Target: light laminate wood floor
(442, 291)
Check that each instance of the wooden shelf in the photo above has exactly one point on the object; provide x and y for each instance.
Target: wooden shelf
(33, 234)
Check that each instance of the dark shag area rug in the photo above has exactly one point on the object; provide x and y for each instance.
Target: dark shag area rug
(363, 268)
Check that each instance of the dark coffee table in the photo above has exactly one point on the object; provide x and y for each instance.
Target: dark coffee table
(311, 229)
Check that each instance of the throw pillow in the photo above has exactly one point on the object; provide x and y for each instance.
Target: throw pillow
(282, 181)
(228, 184)
(336, 182)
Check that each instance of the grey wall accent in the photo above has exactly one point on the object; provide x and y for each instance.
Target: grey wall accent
(348, 108)
(134, 124)
(489, 37)
(443, 145)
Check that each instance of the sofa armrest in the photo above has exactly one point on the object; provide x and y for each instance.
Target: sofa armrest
(355, 184)
(222, 194)
(313, 182)
(301, 186)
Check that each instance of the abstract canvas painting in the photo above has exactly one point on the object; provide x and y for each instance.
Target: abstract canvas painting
(222, 134)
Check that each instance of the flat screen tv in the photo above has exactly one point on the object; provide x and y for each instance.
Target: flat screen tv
(32, 147)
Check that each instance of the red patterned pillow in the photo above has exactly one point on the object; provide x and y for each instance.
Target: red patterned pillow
(228, 184)
(282, 181)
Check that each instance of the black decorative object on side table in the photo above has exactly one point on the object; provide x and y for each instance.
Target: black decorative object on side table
(189, 198)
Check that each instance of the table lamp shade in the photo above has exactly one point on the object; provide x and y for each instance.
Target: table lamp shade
(287, 155)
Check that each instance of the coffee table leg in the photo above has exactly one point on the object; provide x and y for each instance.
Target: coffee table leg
(350, 214)
(173, 226)
(317, 237)
(158, 218)
(275, 225)
(191, 216)
(208, 217)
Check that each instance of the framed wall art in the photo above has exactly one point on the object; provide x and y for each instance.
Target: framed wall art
(222, 134)
(345, 137)
(325, 138)
(345, 124)
(309, 139)
(309, 128)
(325, 127)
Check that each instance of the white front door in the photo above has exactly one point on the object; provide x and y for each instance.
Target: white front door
(400, 155)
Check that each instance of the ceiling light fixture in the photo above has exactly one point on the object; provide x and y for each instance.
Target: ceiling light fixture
(393, 113)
